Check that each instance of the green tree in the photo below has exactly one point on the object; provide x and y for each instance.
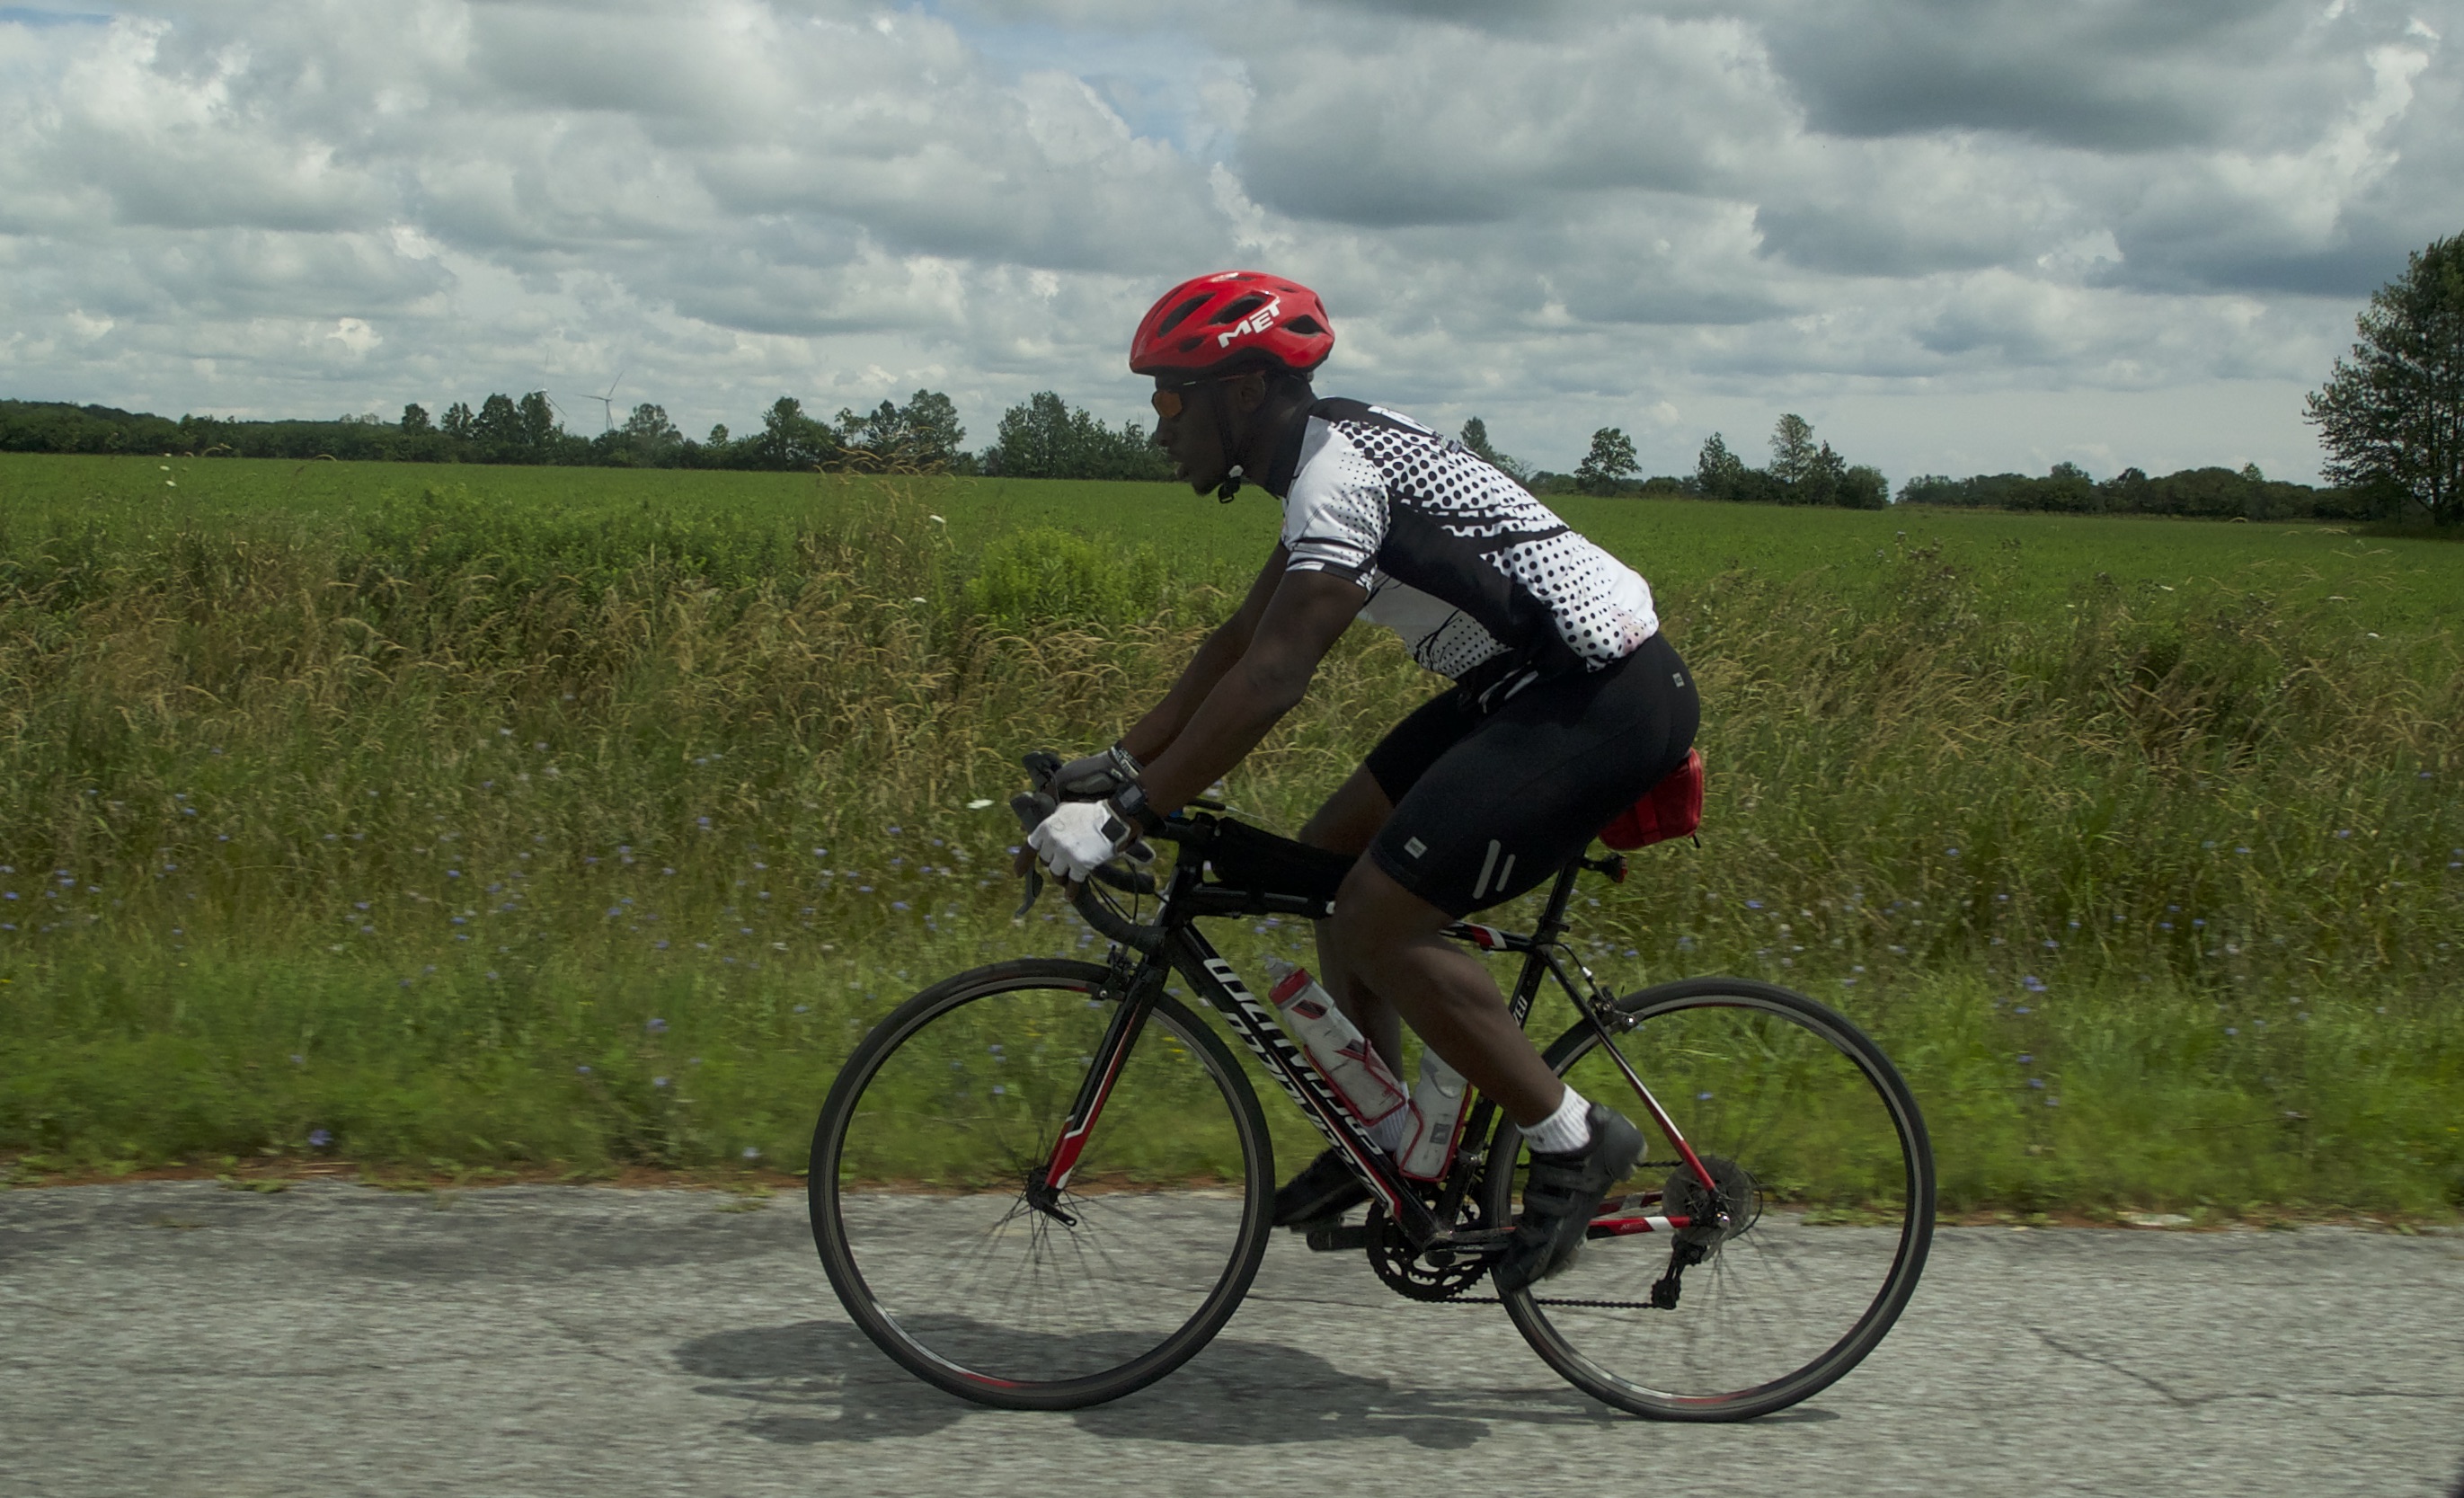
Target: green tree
(1475, 438)
(414, 421)
(1824, 474)
(790, 439)
(1863, 487)
(1794, 459)
(1610, 461)
(499, 423)
(535, 421)
(1037, 439)
(1718, 472)
(930, 423)
(459, 424)
(2391, 416)
(648, 427)
(922, 435)
(1046, 437)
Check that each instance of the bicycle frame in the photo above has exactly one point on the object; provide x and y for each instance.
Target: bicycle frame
(1184, 950)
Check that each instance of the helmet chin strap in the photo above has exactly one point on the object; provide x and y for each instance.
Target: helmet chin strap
(1231, 485)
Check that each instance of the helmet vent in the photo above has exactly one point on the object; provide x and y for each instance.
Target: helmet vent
(1305, 325)
(1239, 307)
(1178, 314)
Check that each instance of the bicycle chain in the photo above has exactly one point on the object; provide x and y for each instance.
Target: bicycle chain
(1567, 1304)
(1578, 1305)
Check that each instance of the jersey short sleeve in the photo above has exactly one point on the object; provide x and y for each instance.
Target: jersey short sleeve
(1335, 517)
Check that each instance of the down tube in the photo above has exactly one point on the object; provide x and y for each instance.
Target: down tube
(1254, 1023)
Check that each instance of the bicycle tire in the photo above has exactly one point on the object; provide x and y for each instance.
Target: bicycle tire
(1740, 1066)
(1095, 1340)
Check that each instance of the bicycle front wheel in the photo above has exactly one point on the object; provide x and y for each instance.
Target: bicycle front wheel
(1821, 1167)
(925, 1206)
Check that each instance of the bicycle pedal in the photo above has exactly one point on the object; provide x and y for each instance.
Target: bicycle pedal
(1333, 1237)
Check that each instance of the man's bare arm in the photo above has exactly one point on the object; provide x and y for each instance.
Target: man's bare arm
(1306, 613)
(1156, 732)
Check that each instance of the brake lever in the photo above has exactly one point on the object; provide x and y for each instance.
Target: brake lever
(1031, 807)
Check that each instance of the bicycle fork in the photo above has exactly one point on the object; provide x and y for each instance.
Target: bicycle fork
(1135, 992)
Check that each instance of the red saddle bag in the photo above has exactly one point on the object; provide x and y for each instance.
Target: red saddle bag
(1671, 808)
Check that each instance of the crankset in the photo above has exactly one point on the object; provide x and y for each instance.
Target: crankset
(1441, 1273)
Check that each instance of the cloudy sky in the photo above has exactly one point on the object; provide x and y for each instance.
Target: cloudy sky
(1955, 234)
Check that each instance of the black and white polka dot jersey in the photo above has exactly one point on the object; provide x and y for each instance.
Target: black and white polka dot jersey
(1459, 560)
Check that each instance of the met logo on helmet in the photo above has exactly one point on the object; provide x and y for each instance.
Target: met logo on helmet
(1257, 321)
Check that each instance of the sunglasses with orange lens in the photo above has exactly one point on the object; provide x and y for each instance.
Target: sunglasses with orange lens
(1167, 402)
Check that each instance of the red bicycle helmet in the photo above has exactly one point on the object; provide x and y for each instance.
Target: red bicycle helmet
(1230, 320)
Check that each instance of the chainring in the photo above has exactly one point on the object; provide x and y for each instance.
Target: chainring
(1390, 1255)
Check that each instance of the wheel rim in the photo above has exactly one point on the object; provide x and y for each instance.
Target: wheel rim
(1824, 1172)
(951, 1260)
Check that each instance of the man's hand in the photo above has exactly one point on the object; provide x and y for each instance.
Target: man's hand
(1080, 837)
(1096, 776)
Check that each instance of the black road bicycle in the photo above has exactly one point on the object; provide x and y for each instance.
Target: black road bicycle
(1042, 1184)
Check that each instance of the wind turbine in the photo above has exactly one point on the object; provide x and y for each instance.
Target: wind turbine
(606, 402)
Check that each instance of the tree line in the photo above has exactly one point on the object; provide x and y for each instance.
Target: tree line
(2391, 418)
(1041, 437)
(1803, 471)
(2209, 494)
(922, 434)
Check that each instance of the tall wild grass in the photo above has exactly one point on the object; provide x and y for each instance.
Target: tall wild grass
(463, 835)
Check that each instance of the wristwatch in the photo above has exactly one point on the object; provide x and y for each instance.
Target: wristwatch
(1130, 804)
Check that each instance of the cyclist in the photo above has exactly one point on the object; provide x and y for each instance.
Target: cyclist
(1567, 704)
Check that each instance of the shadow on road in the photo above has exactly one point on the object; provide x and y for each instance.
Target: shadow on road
(824, 1381)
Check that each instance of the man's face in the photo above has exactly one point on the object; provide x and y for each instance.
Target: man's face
(1189, 433)
(1192, 418)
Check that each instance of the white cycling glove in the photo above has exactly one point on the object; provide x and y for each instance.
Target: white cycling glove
(1082, 836)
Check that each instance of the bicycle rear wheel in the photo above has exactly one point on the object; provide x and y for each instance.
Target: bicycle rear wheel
(944, 1117)
(1825, 1173)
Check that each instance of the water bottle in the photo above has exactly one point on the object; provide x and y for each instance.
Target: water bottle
(1360, 1077)
(1437, 1119)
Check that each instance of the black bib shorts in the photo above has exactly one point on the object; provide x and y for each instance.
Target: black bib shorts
(1488, 806)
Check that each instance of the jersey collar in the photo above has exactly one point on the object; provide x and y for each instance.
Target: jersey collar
(1277, 480)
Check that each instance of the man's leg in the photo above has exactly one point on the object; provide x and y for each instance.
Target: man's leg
(1387, 937)
(1345, 825)
(1383, 940)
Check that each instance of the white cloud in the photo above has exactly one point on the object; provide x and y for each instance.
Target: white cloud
(1557, 216)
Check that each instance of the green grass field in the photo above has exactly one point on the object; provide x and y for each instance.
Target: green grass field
(534, 817)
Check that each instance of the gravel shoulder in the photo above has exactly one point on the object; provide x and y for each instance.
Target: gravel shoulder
(178, 1338)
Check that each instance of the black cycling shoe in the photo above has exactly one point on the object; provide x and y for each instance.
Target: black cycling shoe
(1560, 1196)
(1327, 1189)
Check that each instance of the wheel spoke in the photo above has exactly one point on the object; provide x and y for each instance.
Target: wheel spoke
(1814, 1144)
(922, 1168)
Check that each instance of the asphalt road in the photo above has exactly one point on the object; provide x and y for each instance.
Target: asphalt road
(180, 1339)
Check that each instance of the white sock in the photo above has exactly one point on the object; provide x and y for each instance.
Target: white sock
(1391, 1130)
(1567, 1128)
